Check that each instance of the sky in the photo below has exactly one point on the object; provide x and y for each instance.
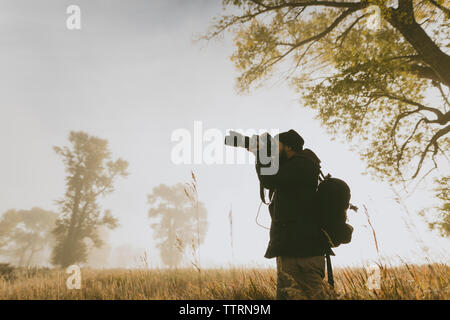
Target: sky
(133, 75)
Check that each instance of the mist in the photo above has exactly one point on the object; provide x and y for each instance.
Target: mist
(133, 76)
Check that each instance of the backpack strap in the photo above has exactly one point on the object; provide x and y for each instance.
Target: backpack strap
(329, 270)
(327, 255)
(321, 176)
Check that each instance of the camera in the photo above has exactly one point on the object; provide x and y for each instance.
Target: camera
(253, 143)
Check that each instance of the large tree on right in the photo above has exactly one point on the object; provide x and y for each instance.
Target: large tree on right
(385, 90)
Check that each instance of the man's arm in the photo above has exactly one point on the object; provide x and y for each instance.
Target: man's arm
(291, 173)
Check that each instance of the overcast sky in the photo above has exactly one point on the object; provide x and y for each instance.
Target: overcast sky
(133, 75)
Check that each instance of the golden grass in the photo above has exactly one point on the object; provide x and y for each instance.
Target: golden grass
(405, 282)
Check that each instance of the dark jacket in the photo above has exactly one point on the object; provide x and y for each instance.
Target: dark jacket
(294, 230)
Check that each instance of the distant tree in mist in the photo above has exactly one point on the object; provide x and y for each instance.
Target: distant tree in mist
(128, 256)
(182, 221)
(26, 236)
(90, 174)
(98, 257)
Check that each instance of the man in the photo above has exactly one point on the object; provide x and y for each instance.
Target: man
(296, 239)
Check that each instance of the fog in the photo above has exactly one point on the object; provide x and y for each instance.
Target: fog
(133, 75)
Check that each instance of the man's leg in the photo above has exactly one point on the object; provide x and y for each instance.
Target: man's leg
(300, 278)
(311, 276)
(283, 282)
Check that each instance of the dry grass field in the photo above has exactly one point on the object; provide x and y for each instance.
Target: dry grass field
(406, 282)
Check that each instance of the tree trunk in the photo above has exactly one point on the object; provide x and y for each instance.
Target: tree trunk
(69, 242)
(403, 20)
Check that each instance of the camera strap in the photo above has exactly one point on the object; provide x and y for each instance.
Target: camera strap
(263, 200)
(262, 195)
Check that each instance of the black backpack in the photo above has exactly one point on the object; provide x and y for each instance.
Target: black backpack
(332, 200)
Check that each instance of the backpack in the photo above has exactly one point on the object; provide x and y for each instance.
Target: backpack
(332, 199)
(332, 202)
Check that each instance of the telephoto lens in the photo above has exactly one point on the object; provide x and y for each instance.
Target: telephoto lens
(235, 139)
(253, 143)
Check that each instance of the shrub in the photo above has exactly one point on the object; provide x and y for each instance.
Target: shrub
(7, 272)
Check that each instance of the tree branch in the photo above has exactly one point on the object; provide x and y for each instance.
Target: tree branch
(339, 19)
(333, 4)
(441, 118)
(403, 20)
(343, 35)
(432, 142)
(441, 7)
(425, 72)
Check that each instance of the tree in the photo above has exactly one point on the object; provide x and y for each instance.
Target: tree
(385, 91)
(90, 174)
(26, 237)
(443, 211)
(182, 220)
(98, 257)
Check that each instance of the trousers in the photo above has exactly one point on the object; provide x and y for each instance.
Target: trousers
(300, 277)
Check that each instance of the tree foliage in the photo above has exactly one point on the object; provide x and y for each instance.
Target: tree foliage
(90, 174)
(386, 91)
(26, 236)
